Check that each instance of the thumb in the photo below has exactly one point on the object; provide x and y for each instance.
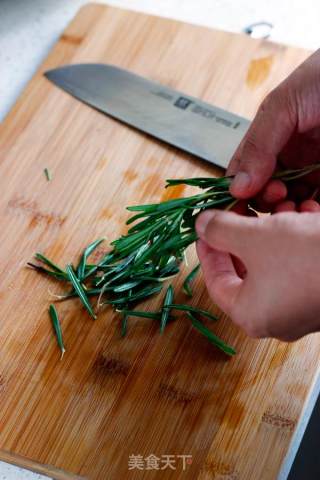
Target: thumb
(255, 159)
(227, 231)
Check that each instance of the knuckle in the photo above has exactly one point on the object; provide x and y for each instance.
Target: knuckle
(284, 223)
(255, 332)
(292, 228)
(254, 327)
(253, 153)
(268, 102)
(276, 99)
(282, 101)
(234, 164)
(251, 145)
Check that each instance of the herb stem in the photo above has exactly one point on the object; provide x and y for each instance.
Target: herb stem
(57, 328)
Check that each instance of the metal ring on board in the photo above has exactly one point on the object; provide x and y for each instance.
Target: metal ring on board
(259, 29)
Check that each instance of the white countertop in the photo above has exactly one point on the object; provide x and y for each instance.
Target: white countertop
(28, 29)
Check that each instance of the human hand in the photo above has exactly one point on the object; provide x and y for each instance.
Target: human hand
(279, 294)
(285, 133)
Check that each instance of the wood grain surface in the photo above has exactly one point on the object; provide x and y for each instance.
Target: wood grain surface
(171, 394)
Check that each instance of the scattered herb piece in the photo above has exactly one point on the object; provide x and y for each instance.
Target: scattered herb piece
(189, 308)
(49, 263)
(57, 328)
(189, 279)
(81, 270)
(211, 336)
(150, 253)
(80, 291)
(165, 309)
(140, 295)
(41, 269)
(48, 174)
(140, 314)
(124, 325)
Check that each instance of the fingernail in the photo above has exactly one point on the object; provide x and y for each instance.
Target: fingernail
(241, 182)
(203, 220)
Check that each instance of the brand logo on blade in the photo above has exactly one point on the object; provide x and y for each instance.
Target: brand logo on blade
(182, 103)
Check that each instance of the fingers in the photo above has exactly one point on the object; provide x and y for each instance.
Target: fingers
(285, 127)
(287, 206)
(310, 206)
(222, 281)
(275, 191)
(256, 157)
(227, 231)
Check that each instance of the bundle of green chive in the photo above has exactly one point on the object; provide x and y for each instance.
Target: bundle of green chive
(150, 254)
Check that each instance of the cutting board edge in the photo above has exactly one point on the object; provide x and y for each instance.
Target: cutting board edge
(43, 469)
(106, 6)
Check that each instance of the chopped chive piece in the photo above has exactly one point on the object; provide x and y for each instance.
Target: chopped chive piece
(124, 325)
(168, 299)
(49, 263)
(126, 286)
(152, 251)
(57, 328)
(189, 279)
(80, 291)
(188, 308)
(140, 314)
(40, 269)
(146, 292)
(81, 270)
(211, 336)
(48, 174)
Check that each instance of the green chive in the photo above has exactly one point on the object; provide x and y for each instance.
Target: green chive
(124, 325)
(211, 336)
(146, 292)
(188, 308)
(204, 182)
(49, 263)
(57, 328)
(168, 299)
(189, 279)
(140, 314)
(48, 174)
(81, 270)
(126, 286)
(40, 269)
(80, 291)
(150, 253)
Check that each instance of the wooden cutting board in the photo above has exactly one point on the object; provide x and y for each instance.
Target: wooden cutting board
(147, 394)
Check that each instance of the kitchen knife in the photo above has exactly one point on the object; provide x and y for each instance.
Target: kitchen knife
(185, 122)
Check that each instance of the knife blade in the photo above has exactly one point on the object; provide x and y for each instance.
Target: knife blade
(178, 119)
